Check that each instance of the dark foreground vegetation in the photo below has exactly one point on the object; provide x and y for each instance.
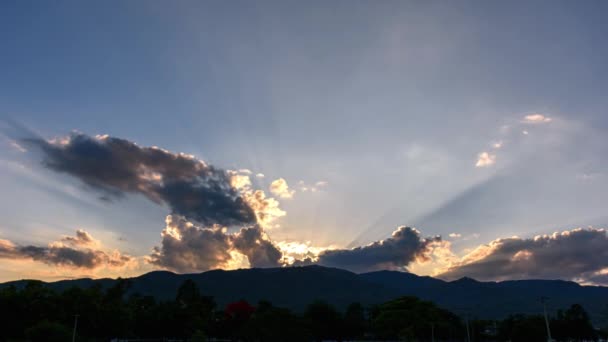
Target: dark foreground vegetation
(37, 313)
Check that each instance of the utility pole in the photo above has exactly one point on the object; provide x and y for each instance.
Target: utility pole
(432, 332)
(75, 324)
(544, 301)
(466, 318)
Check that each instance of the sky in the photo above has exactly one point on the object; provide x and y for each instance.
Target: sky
(442, 138)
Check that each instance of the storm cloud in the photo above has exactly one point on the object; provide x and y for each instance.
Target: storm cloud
(186, 247)
(114, 166)
(61, 254)
(395, 253)
(579, 254)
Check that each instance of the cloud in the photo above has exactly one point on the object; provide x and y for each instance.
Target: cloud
(318, 186)
(71, 252)
(280, 188)
(455, 235)
(578, 254)
(395, 253)
(260, 175)
(260, 251)
(82, 238)
(266, 209)
(186, 247)
(536, 119)
(17, 147)
(115, 167)
(296, 251)
(497, 145)
(485, 159)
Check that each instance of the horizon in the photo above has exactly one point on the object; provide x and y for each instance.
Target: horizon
(441, 139)
(306, 267)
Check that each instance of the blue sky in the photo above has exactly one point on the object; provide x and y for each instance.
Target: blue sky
(389, 103)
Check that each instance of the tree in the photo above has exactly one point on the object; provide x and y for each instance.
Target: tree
(573, 324)
(521, 328)
(324, 321)
(194, 311)
(354, 321)
(409, 318)
(46, 331)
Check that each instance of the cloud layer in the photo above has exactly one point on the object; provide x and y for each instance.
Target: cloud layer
(395, 253)
(186, 247)
(579, 254)
(77, 251)
(114, 166)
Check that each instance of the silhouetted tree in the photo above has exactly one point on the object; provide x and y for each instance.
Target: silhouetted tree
(573, 324)
(324, 321)
(355, 323)
(521, 328)
(409, 318)
(194, 311)
(46, 331)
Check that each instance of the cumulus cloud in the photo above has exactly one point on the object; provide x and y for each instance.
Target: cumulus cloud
(114, 166)
(395, 253)
(280, 188)
(578, 254)
(485, 159)
(260, 175)
(536, 119)
(260, 251)
(266, 209)
(186, 247)
(455, 235)
(73, 252)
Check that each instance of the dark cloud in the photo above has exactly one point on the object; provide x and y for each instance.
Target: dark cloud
(396, 252)
(82, 238)
(116, 166)
(62, 255)
(260, 251)
(186, 247)
(578, 254)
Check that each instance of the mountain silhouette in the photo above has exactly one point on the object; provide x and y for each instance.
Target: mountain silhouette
(295, 287)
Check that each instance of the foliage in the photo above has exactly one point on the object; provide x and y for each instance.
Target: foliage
(35, 313)
(408, 318)
(46, 331)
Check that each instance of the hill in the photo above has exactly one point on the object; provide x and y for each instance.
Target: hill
(295, 287)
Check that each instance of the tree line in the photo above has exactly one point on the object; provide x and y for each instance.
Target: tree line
(37, 313)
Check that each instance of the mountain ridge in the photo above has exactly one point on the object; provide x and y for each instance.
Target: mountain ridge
(295, 287)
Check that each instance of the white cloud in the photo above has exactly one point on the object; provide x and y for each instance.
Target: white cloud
(497, 145)
(455, 235)
(280, 188)
(536, 119)
(318, 186)
(17, 147)
(260, 175)
(485, 159)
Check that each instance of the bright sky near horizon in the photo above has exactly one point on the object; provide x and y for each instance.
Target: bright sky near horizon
(318, 128)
